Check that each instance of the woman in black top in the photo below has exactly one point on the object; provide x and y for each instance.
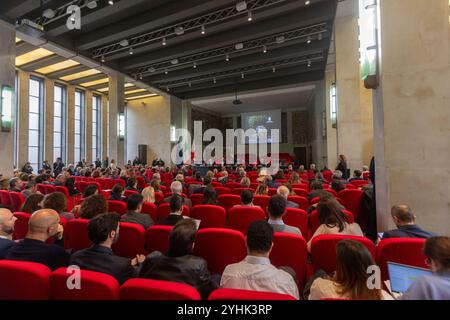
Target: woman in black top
(342, 166)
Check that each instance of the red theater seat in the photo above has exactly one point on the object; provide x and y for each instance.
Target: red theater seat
(229, 200)
(238, 191)
(117, 206)
(301, 201)
(196, 199)
(297, 218)
(151, 209)
(301, 192)
(400, 250)
(128, 193)
(21, 225)
(359, 183)
(240, 218)
(222, 190)
(262, 201)
(20, 280)
(93, 286)
(352, 201)
(157, 238)
(211, 216)
(159, 197)
(300, 186)
(146, 289)
(164, 210)
(49, 188)
(131, 240)
(5, 199)
(220, 247)
(16, 199)
(290, 250)
(323, 250)
(76, 237)
(237, 294)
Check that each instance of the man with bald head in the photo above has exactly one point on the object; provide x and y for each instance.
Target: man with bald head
(7, 220)
(405, 220)
(43, 224)
(284, 192)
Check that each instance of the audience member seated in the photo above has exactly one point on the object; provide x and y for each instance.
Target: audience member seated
(149, 194)
(357, 176)
(33, 203)
(132, 184)
(178, 264)
(276, 209)
(176, 211)
(134, 215)
(337, 175)
(256, 272)
(284, 192)
(4, 184)
(246, 199)
(333, 221)
(156, 182)
(7, 220)
(117, 193)
(405, 220)
(210, 196)
(294, 178)
(93, 206)
(30, 188)
(262, 190)
(58, 202)
(337, 185)
(59, 181)
(103, 231)
(351, 278)
(201, 189)
(70, 185)
(15, 184)
(316, 190)
(177, 188)
(43, 224)
(90, 190)
(437, 285)
(245, 182)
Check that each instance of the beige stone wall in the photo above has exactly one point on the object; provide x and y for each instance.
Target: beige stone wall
(412, 115)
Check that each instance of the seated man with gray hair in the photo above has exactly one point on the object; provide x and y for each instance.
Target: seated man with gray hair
(405, 220)
(177, 188)
(284, 192)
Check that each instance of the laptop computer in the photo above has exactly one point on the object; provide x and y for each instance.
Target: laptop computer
(402, 276)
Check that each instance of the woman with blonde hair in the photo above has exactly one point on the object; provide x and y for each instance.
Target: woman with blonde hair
(295, 178)
(262, 190)
(149, 194)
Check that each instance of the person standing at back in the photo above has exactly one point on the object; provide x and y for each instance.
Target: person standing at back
(342, 166)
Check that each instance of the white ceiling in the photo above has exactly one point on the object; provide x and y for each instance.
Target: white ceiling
(287, 98)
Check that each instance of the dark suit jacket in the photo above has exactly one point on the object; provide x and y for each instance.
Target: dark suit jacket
(408, 231)
(186, 269)
(102, 259)
(186, 201)
(139, 218)
(5, 245)
(170, 220)
(51, 255)
(290, 204)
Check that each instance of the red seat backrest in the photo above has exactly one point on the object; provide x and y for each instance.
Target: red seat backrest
(232, 185)
(272, 191)
(164, 210)
(400, 250)
(300, 186)
(119, 181)
(63, 190)
(222, 190)
(301, 192)
(93, 286)
(229, 200)
(314, 220)
(240, 218)
(119, 207)
(41, 188)
(332, 191)
(157, 238)
(262, 201)
(128, 193)
(323, 250)
(108, 183)
(81, 185)
(5, 199)
(290, 250)
(301, 201)
(211, 216)
(297, 218)
(238, 294)
(159, 197)
(17, 199)
(359, 183)
(21, 225)
(76, 236)
(196, 198)
(239, 190)
(140, 182)
(20, 280)
(220, 247)
(131, 240)
(49, 188)
(352, 201)
(147, 289)
(151, 209)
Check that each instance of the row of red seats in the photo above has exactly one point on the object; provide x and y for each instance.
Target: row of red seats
(28, 280)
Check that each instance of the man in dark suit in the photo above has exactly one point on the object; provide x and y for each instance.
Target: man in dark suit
(43, 224)
(405, 220)
(177, 188)
(7, 220)
(176, 211)
(179, 265)
(134, 215)
(103, 231)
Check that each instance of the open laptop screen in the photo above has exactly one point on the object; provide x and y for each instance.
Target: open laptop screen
(402, 276)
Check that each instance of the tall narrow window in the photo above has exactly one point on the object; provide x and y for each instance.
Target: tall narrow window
(96, 127)
(79, 125)
(107, 128)
(333, 105)
(36, 123)
(59, 123)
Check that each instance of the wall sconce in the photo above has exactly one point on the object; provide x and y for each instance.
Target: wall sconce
(121, 126)
(6, 108)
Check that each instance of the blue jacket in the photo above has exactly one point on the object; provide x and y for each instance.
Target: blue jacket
(5, 245)
(408, 231)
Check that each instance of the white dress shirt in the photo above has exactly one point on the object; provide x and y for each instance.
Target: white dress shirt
(258, 274)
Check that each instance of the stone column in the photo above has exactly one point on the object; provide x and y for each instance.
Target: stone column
(7, 77)
(116, 106)
(412, 112)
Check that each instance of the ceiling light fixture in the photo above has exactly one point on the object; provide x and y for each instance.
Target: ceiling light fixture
(164, 41)
(264, 49)
(239, 46)
(279, 39)
(179, 31)
(273, 69)
(174, 61)
(111, 2)
(242, 75)
(214, 80)
(194, 65)
(49, 13)
(241, 6)
(124, 43)
(227, 58)
(309, 64)
(141, 77)
(308, 39)
(131, 50)
(307, 3)
(103, 59)
(166, 71)
(91, 4)
(320, 36)
(202, 30)
(249, 16)
(151, 69)
(190, 84)
(167, 89)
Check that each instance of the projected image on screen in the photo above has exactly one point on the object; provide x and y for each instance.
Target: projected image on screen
(260, 122)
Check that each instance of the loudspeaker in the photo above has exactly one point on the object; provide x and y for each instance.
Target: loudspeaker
(142, 150)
